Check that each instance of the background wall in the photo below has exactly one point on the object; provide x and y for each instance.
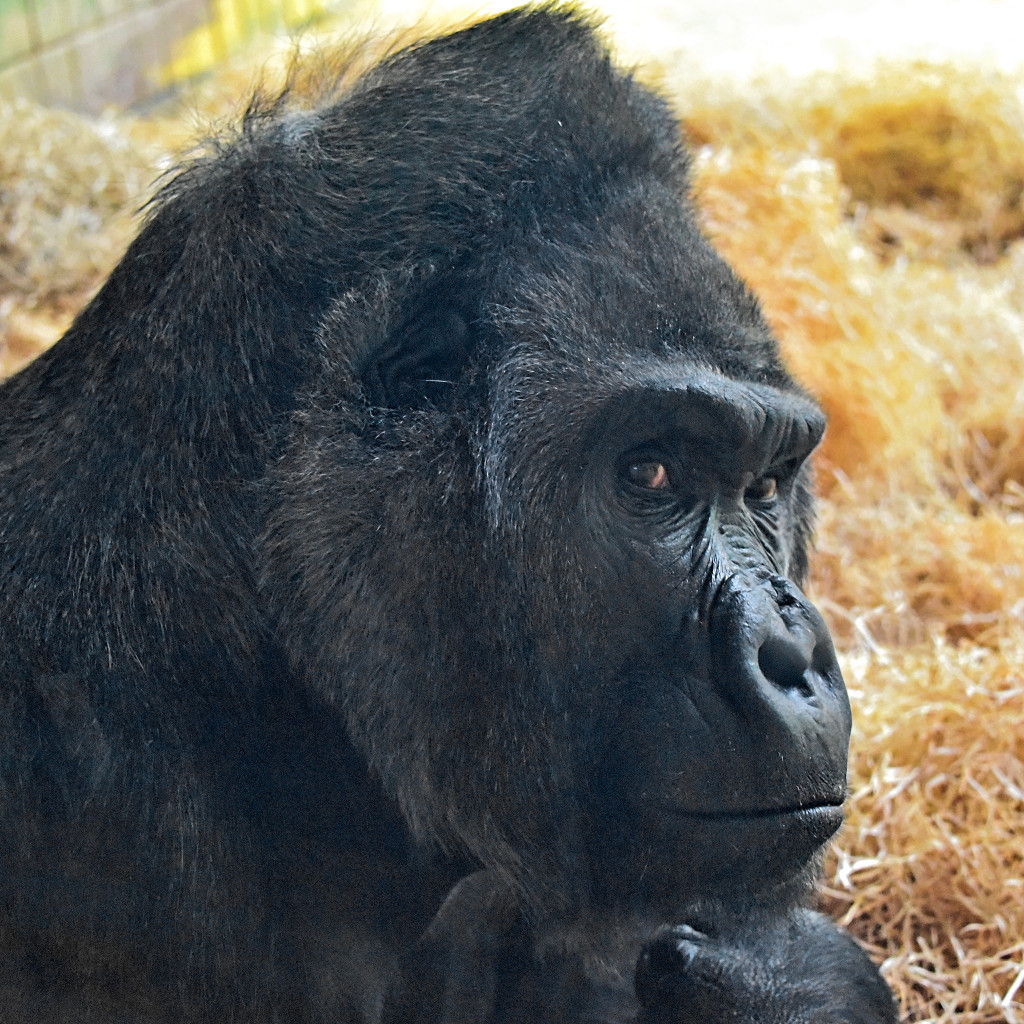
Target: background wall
(90, 54)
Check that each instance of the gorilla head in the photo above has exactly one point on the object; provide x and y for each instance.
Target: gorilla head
(541, 528)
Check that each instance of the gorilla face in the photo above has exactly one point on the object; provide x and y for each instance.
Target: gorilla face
(651, 472)
(724, 723)
(596, 507)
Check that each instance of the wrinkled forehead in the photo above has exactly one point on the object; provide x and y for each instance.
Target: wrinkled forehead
(635, 281)
(645, 394)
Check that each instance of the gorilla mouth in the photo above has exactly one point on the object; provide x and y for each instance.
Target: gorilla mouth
(805, 826)
(825, 811)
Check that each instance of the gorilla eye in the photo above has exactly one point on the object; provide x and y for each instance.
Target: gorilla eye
(764, 488)
(651, 475)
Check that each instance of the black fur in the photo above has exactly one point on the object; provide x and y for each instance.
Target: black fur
(329, 573)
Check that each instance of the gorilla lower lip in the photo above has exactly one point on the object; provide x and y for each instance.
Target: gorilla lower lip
(745, 848)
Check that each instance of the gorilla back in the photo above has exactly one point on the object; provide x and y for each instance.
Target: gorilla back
(420, 494)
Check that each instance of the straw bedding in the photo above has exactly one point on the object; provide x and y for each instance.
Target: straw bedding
(880, 218)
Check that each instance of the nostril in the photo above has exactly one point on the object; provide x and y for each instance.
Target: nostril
(823, 660)
(783, 662)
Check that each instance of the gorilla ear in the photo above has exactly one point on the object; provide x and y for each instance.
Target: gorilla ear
(421, 362)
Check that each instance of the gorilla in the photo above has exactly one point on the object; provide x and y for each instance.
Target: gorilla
(400, 566)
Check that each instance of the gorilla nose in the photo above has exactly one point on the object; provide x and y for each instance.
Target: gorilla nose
(784, 661)
(770, 639)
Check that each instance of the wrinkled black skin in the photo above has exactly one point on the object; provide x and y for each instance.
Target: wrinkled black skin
(326, 579)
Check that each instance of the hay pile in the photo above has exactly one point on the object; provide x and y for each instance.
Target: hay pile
(880, 219)
(68, 186)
